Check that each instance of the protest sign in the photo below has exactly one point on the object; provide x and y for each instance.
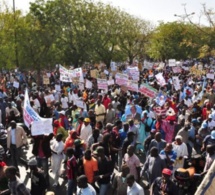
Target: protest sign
(176, 69)
(77, 72)
(88, 84)
(16, 84)
(42, 127)
(121, 79)
(132, 86)
(29, 114)
(210, 76)
(176, 83)
(102, 84)
(81, 86)
(46, 80)
(160, 79)
(110, 82)
(148, 90)
(113, 66)
(57, 88)
(75, 80)
(65, 77)
(185, 68)
(172, 62)
(160, 99)
(106, 72)
(148, 65)
(134, 73)
(94, 73)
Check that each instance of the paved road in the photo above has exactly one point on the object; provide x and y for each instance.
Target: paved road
(60, 190)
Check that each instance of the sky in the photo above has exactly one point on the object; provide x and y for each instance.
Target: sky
(152, 10)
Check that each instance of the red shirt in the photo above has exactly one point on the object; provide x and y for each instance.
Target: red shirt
(106, 102)
(71, 166)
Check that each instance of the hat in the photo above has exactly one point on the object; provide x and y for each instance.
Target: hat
(87, 120)
(213, 134)
(32, 162)
(167, 172)
(109, 125)
(62, 112)
(78, 142)
(178, 137)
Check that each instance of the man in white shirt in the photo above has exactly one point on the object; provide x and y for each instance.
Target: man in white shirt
(100, 112)
(86, 130)
(133, 187)
(83, 187)
(64, 102)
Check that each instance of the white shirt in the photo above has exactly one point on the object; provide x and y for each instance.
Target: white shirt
(64, 101)
(37, 104)
(13, 136)
(86, 131)
(181, 150)
(136, 189)
(86, 191)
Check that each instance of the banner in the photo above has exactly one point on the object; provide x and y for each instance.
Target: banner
(148, 90)
(102, 84)
(132, 86)
(160, 79)
(121, 79)
(43, 127)
(172, 62)
(134, 73)
(65, 77)
(29, 114)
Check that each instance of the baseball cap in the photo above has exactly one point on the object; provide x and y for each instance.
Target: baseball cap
(167, 172)
(78, 142)
(87, 120)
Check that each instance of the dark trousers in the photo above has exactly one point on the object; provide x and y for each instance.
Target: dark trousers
(15, 155)
(43, 163)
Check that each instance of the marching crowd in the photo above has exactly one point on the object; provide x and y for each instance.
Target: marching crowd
(111, 142)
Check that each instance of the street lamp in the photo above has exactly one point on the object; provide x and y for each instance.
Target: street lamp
(184, 16)
(15, 35)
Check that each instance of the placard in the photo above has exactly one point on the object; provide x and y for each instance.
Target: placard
(121, 79)
(176, 83)
(176, 69)
(79, 103)
(42, 127)
(132, 86)
(46, 80)
(16, 84)
(210, 76)
(110, 82)
(81, 86)
(88, 84)
(102, 84)
(134, 73)
(57, 88)
(172, 62)
(160, 79)
(94, 73)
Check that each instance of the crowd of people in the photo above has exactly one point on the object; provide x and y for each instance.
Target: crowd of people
(115, 141)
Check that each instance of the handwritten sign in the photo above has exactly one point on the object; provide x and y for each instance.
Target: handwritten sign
(176, 69)
(94, 73)
(160, 79)
(89, 84)
(42, 127)
(16, 84)
(110, 82)
(172, 62)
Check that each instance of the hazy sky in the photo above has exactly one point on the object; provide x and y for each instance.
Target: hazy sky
(153, 10)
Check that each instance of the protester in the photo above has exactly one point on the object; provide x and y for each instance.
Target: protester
(133, 186)
(83, 187)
